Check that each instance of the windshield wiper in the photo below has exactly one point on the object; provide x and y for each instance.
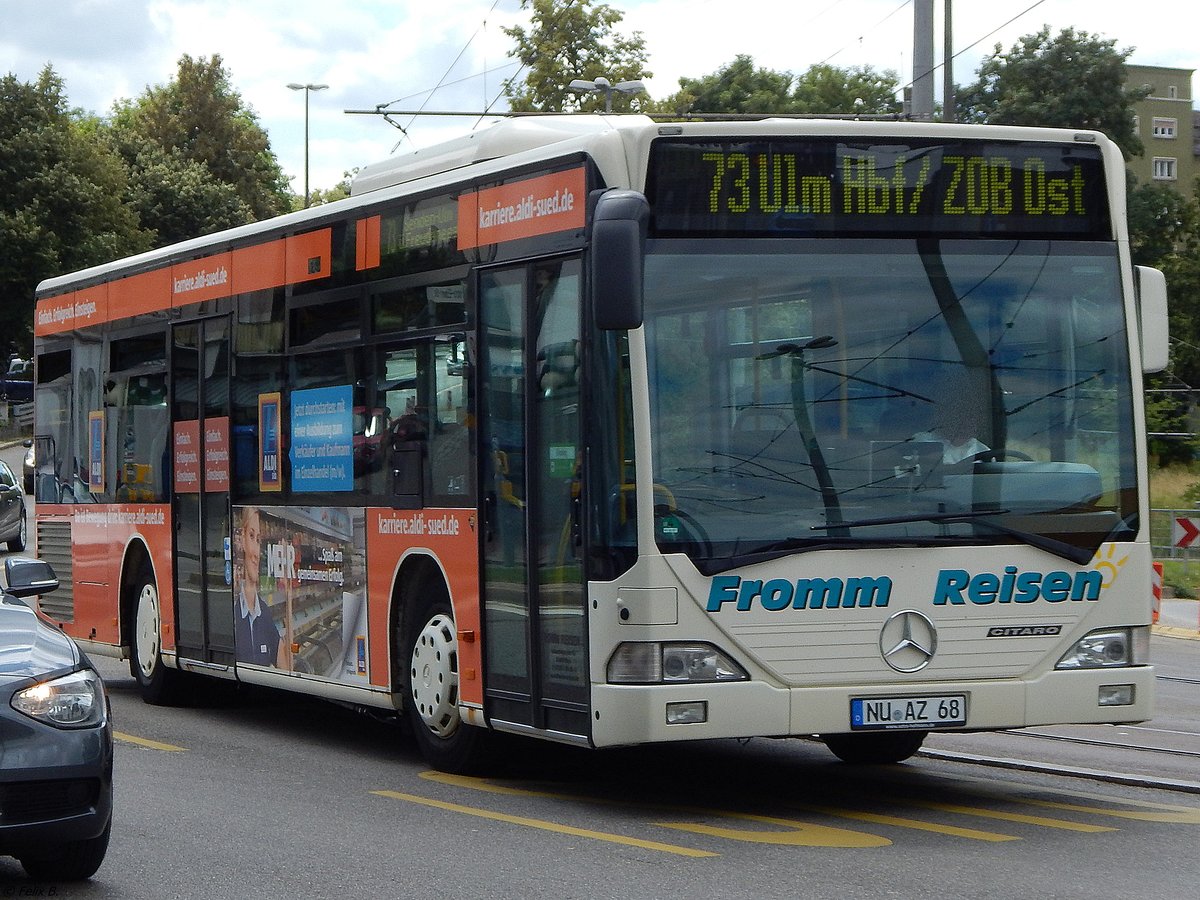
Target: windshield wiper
(919, 517)
(1077, 555)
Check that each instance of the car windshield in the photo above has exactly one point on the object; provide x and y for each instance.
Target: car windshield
(818, 393)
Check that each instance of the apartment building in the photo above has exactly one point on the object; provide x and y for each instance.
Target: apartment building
(1167, 125)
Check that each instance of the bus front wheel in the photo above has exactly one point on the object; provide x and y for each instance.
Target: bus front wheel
(878, 748)
(431, 690)
(157, 683)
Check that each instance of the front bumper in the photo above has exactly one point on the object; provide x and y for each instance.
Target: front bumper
(638, 714)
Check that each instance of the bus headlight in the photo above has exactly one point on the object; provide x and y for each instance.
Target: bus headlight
(652, 662)
(1107, 648)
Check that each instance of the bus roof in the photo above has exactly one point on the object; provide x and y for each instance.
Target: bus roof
(615, 142)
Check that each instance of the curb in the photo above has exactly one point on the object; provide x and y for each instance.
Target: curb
(1166, 784)
(1188, 634)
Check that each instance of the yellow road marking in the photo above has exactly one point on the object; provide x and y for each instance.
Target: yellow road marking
(917, 824)
(146, 742)
(1009, 817)
(546, 826)
(1163, 812)
(796, 834)
(1181, 815)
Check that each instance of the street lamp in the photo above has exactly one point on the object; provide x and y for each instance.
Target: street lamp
(602, 85)
(306, 88)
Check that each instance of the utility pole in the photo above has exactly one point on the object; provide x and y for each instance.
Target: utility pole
(923, 81)
(949, 113)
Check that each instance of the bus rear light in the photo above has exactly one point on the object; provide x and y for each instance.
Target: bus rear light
(1107, 648)
(652, 662)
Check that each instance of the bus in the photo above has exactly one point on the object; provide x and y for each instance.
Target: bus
(608, 432)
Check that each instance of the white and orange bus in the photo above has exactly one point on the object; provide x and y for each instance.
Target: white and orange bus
(608, 432)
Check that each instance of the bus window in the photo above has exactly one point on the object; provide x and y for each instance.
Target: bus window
(135, 399)
(451, 463)
(260, 322)
(419, 306)
(407, 427)
(52, 411)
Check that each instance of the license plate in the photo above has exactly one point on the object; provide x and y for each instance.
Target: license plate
(908, 712)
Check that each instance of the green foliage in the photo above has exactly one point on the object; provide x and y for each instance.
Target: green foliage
(859, 89)
(319, 196)
(1164, 230)
(1162, 222)
(741, 87)
(194, 140)
(60, 197)
(1074, 80)
(737, 87)
(568, 40)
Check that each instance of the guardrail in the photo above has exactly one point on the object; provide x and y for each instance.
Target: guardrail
(1175, 534)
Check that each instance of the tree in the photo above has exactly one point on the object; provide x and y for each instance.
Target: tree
(741, 87)
(862, 90)
(737, 87)
(60, 197)
(1162, 222)
(1075, 80)
(195, 139)
(1164, 232)
(319, 196)
(569, 40)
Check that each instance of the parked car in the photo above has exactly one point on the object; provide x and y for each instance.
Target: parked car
(56, 750)
(13, 523)
(16, 385)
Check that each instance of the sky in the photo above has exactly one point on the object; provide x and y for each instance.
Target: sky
(452, 56)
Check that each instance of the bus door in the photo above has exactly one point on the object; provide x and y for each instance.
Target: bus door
(535, 625)
(200, 505)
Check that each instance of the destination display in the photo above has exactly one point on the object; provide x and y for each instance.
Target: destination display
(824, 186)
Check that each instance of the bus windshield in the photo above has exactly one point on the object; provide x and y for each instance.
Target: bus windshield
(813, 393)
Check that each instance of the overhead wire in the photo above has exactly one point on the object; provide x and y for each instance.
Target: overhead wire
(442, 81)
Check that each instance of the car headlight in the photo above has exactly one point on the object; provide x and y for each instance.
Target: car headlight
(71, 701)
(652, 662)
(1107, 648)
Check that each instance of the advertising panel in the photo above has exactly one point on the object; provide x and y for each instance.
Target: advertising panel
(299, 594)
(322, 445)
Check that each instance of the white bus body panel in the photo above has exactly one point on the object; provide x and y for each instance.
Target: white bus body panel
(807, 664)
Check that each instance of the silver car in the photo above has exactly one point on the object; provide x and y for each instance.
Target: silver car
(56, 747)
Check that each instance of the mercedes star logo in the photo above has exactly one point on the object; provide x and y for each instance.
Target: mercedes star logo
(908, 641)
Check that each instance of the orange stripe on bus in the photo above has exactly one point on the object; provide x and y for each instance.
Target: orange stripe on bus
(308, 256)
(201, 279)
(259, 268)
(302, 257)
(366, 247)
(522, 209)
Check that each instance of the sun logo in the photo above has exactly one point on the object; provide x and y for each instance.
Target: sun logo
(1106, 563)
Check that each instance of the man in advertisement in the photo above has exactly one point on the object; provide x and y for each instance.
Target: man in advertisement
(257, 637)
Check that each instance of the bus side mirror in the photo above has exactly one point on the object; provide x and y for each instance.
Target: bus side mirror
(618, 248)
(1152, 311)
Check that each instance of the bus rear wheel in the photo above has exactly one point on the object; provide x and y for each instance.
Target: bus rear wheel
(879, 748)
(431, 691)
(158, 684)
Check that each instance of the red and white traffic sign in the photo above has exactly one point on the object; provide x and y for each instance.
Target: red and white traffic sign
(1185, 531)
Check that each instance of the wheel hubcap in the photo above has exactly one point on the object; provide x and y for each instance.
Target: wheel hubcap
(434, 676)
(147, 630)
